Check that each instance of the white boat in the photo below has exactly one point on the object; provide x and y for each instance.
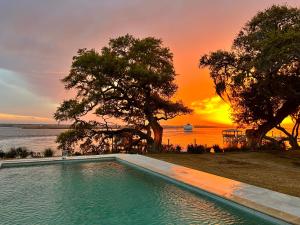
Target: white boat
(188, 127)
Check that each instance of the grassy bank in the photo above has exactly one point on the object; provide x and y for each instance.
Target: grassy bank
(278, 171)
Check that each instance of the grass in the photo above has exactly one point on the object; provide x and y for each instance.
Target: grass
(278, 171)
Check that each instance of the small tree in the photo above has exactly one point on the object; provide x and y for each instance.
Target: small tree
(48, 152)
(260, 77)
(131, 82)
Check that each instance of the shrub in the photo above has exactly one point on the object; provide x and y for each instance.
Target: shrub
(242, 148)
(272, 146)
(32, 154)
(165, 148)
(217, 148)
(178, 148)
(22, 152)
(171, 148)
(77, 154)
(2, 154)
(190, 148)
(48, 152)
(12, 153)
(196, 149)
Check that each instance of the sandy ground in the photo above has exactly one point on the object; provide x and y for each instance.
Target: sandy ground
(278, 171)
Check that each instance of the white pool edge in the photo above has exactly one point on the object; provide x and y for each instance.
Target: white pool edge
(278, 205)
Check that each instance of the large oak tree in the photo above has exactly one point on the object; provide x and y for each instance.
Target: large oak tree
(260, 76)
(130, 82)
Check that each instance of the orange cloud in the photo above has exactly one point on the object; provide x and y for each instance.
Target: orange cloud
(213, 109)
(13, 118)
(216, 110)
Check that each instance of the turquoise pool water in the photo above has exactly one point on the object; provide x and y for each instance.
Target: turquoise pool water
(105, 193)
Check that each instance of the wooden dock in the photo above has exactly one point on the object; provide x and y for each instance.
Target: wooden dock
(233, 137)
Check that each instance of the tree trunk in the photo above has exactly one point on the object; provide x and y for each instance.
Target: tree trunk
(290, 137)
(294, 143)
(158, 133)
(255, 137)
(295, 133)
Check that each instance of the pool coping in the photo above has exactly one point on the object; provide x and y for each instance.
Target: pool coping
(274, 204)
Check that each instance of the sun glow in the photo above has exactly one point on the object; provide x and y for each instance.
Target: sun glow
(213, 109)
(13, 118)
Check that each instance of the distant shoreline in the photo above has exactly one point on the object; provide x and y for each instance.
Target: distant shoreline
(67, 126)
(36, 126)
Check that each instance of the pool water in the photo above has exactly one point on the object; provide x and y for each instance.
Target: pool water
(105, 193)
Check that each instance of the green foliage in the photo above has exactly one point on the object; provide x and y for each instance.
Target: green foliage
(2, 154)
(48, 152)
(172, 148)
(217, 148)
(196, 149)
(77, 154)
(21, 152)
(12, 153)
(67, 139)
(242, 148)
(269, 146)
(178, 148)
(260, 77)
(131, 81)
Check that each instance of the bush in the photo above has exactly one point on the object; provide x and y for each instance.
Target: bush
(242, 148)
(272, 146)
(178, 148)
(77, 153)
(22, 152)
(171, 148)
(2, 154)
(48, 152)
(12, 153)
(196, 149)
(217, 148)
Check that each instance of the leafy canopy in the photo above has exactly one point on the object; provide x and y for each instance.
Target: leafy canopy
(130, 81)
(260, 76)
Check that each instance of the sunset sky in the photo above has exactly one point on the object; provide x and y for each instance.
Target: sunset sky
(38, 39)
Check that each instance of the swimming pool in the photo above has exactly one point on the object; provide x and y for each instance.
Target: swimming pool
(106, 193)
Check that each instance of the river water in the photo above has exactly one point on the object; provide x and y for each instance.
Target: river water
(38, 139)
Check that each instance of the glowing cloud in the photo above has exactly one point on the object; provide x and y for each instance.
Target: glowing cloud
(13, 118)
(216, 110)
(213, 109)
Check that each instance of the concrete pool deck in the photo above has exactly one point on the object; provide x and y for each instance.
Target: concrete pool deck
(275, 204)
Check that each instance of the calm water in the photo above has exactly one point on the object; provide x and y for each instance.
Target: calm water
(105, 193)
(34, 139)
(39, 139)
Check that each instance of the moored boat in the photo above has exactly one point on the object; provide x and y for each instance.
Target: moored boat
(188, 127)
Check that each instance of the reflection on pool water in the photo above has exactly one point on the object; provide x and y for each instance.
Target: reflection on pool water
(105, 193)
